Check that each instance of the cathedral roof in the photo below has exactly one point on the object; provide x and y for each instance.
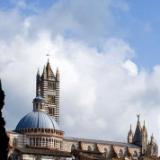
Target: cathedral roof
(100, 142)
(37, 120)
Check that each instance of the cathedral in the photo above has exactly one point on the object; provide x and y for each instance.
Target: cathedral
(38, 136)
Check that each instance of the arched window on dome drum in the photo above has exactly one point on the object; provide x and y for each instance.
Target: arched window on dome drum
(34, 142)
(73, 147)
(47, 143)
(89, 148)
(41, 145)
(31, 142)
(43, 142)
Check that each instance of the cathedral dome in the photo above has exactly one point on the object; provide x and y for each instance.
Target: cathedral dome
(37, 120)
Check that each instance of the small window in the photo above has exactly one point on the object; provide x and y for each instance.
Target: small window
(51, 111)
(14, 142)
(51, 99)
(51, 85)
(89, 148)
(135, 154)
(73, 147)
(105, 152)
(120, 153)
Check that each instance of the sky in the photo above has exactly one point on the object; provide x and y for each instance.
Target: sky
(107, 52)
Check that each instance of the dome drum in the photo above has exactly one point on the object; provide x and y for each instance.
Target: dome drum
(37, 122)
(44, 141)
(42, 131)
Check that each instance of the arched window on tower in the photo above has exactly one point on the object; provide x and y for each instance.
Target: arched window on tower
(51, 111)
(51, 99)
(51, 85)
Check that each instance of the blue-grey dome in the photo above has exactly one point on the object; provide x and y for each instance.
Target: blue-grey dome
(37, 120)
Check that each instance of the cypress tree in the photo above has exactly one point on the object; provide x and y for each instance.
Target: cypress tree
(4, 140)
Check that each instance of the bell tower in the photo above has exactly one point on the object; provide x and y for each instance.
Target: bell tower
(47, 86)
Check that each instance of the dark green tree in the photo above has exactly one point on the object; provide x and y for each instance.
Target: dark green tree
(4, 140)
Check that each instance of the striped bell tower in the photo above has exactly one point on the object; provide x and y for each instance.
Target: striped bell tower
(47, 86)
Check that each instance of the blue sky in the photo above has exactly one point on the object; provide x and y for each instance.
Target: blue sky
(107, 50)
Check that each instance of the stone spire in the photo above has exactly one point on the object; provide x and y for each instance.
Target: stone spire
(38, 74)
(38, 80)
(57, 75)
(49, 71)
(137, 139)
(144, 129)
(38, 91)
(44, 74)
(144, 139)
(153, 147)
(152, 140)
(130, 135)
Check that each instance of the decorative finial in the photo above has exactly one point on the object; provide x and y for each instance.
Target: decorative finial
(130, 127)
(57, 75)
(57, 70)
(48, 55)
(152, 136)
(38, 73)
(138, 116)
(152, 139)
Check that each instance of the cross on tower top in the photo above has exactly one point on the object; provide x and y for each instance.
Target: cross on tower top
(138, 116)
(48, 55)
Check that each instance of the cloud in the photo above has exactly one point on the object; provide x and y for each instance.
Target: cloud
(98, 94)
(102, 88)
(131, 68)
(90, 21)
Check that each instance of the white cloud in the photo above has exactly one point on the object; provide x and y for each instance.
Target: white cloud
(131, 67)
(97, 94)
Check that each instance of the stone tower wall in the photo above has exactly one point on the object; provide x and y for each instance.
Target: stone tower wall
(47, 86)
